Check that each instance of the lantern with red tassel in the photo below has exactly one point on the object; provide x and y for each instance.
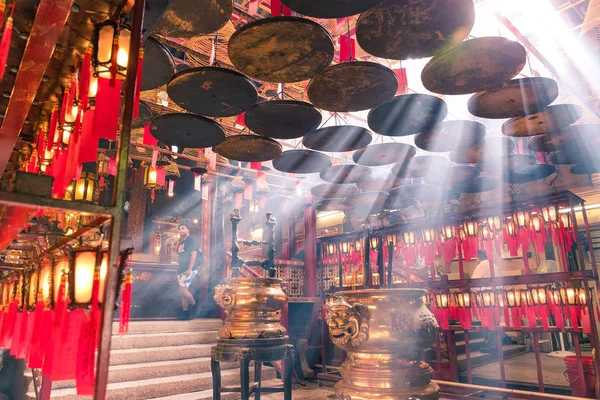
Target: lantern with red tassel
(442, 301)
(540, 301)
(409, 252)
(469, 239)
(463, 300)
(556, 307)
(487, 304)
(449, 235)
(111, 50)
(428, 235)
(538, 232)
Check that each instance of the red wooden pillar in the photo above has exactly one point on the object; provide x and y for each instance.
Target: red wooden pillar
(310, 248)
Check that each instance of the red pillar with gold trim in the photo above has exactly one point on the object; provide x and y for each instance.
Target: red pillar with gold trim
(310, 248)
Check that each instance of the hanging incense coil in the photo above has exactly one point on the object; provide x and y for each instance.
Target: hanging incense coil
(281, 49)
(158, 67)
(405, 29)
(212, 91)
(379, 183)
(187, 130)
(490, 147)
(283, 119)
(452, 176)
(185, 19)
(551, 119)
(249, 148)
(352, 86)
(330, 8)
(422, 192)
(528, 174)
(449, 135)
(339, 138)
(513, 162)
(333, 191)
(571, 136)
(477, 185)
(585, 168)
(421, 166)
(407, 114)
(383, 154)
(516, 98)
(346, 174)
(145, 115)
(301, 162)
(372, 201)
(332, 205)
(474, 66)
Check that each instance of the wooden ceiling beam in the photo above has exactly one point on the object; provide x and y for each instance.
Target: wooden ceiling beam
(49, 22)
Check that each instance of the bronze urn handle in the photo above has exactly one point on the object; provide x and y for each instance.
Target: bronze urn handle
(348, 324)
(225, 297)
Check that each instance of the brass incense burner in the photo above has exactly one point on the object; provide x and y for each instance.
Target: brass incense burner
(252, 307)
(383, 333)
(252, 304)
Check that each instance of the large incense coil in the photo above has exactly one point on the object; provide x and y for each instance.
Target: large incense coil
(474, 65)
(185, 19)
(551, 119)
(406, 29)
(330, 8)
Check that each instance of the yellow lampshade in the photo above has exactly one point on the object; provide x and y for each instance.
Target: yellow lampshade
(81, 276)
(33, 288)
(105, 36)
(45, 282)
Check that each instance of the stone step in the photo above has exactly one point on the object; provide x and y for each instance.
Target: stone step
(156, 354)
(459, 336)
(208, 394)
(169, 326)
(150, 370)
(136, 341)
(479, 358)
(160, 387)
(474, 345)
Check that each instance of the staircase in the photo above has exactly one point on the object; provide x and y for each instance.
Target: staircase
(476, 343)
(168, 360)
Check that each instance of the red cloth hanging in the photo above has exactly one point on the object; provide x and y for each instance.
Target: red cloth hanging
(59, 172)
(5, 43)
(51, 140)
(88, 341)
(347, 48)
(586, 324)
(247, 191)
(148, 138)
(402, 80)
(239, 120)
(66, 368)
(108, 104)
(126, 304)
(238, 200)
(54, 343)
(278, 9)
(36, 356)
(88, 147)
(516, 318)
(114, 64)
(85, 78)
(506, 317)
(138, 83)
(256, 165)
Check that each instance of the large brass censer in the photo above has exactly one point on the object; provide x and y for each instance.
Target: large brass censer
(252, 307)
(383, 333)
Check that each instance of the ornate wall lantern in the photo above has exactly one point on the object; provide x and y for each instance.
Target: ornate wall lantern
(83, 261)
(374, 242)
(521, 218)
(463, 299)
(470, 228)
(550, 213)
(409, 238)
(102, 164)
(84, 187)
(449, 232)
(107, 38)
(495, 223)
(513, 298)
(154, 178)
(429, 235)
(442, 300)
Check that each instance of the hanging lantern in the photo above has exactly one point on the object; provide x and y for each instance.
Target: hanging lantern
(486, 232)
(495, 223)
(106, 36)
(556, 297)
(154, 178)
(61, 265)
(66, 136)
(550, 213)
(103, 273)
(566, 220)
(32, 288)
(391, 239)
(357, 245)
(442, 300)
(488, 298)
(102, 164)
(93, 89)
(522, 219)
(84, 187)
(429, 235)
(569, 296)
(581, 297)
(409, 238)
(463, 299)
(345, 247)
(513, 298)
(83, 261)
(331, 249)
(449, 232)
(45, 283)
(374, 242)
(538, 296)
(511, 228)
(501, 300)
(536, 223)
(470, 228)
(47, 156)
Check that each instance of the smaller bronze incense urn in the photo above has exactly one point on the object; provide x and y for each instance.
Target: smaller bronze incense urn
(252, 308)
(383, 333)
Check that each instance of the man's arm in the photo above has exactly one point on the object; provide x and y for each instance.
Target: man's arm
(193, 254)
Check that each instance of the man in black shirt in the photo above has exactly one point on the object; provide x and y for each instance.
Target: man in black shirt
(190, 257)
